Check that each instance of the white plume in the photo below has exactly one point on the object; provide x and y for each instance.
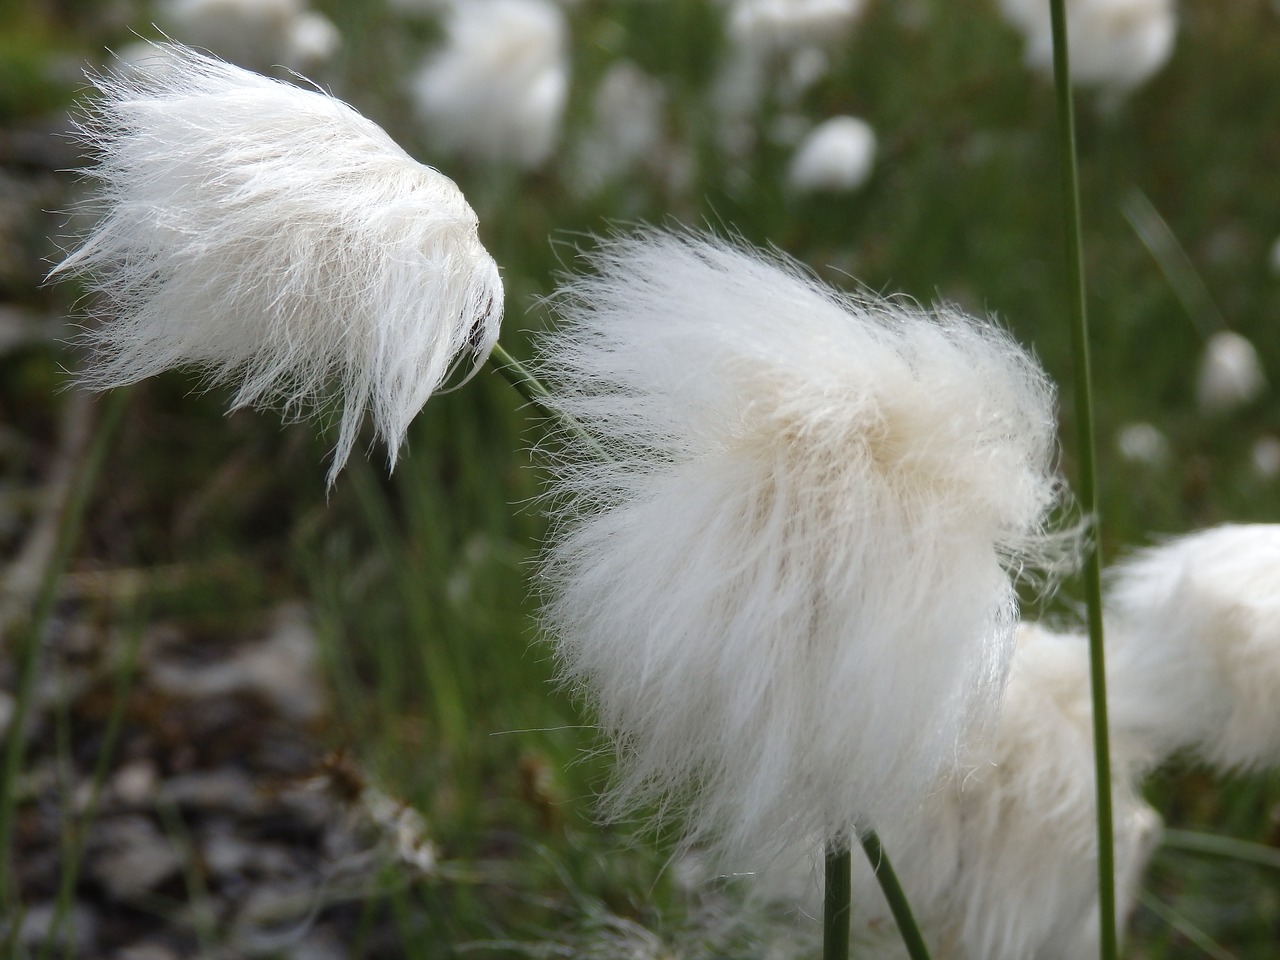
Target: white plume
(279, 240)
(498, 87)
(1114, 44)
(1000, 863)
(785, 588)
(1196, 660)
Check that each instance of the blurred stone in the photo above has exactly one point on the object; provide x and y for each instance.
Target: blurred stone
(133, 858)
(228, 790)
(77, 929)
(282, 669)
(135, 784)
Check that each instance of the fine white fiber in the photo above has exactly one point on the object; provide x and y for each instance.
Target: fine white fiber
(785, 587)
(1000, 863)
(1115, 44)
(1197, 658)
(280, 241)
(497, 89)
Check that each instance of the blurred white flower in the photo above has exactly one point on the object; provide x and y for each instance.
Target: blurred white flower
(1197, 655)
(627, 129)
(279, 240)
(258, 34)
(770, 25)
(1274, 258)
(786, 590)
(497, 90)
(836, 155)
(1144, 443)
(972, 858)
(1114, 44)
(1230, 376)
(1265, 455)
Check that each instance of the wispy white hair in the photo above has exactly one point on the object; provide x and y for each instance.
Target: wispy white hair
(785, 586)
(1000, 863)
(1197, 660)
(498, 88)
(276, 238)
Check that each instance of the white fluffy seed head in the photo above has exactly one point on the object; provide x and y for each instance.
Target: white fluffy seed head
(280, 241)
(1231, 374)
(1000, 863)
(498, 88)
(786, 587)
(836, 155)
(1115, 44)
(1197, 658)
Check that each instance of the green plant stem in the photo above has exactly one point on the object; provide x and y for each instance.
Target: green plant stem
(896, 897)
(533, 390)
(836, 899)
(29, 639)
(1087, 485)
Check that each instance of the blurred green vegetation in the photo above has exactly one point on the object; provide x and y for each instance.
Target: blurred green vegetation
(419, 581)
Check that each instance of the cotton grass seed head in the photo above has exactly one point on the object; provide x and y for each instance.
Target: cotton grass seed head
(497, 89)
(278, 240)
(1200, 616)
(972, 859)
(786, 590)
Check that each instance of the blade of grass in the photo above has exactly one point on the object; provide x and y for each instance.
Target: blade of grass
(1185, 927)
(1172, 259)
(1211, 844)
(1087, 483)
(74, 852)
(29, 640)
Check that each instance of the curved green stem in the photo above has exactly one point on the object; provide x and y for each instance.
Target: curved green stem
(1087, 481)
(894, 894)
(539, 397)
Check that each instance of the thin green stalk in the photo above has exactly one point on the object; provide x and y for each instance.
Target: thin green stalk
(835, 903)
(29, 640)
(74, 853)
(897, 898)
(1087, 484)
(533, 390)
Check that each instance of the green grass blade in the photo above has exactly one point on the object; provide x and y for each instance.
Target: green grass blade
(1087, 483)
(29, 639)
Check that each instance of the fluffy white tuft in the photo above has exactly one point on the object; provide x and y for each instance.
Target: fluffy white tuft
(786, 588)
(1001, 861)
(1197, 657)
(498, 88)
(1115, 44)
(836, 155)
(276, 238)
(767, 25)
(1231, 374)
